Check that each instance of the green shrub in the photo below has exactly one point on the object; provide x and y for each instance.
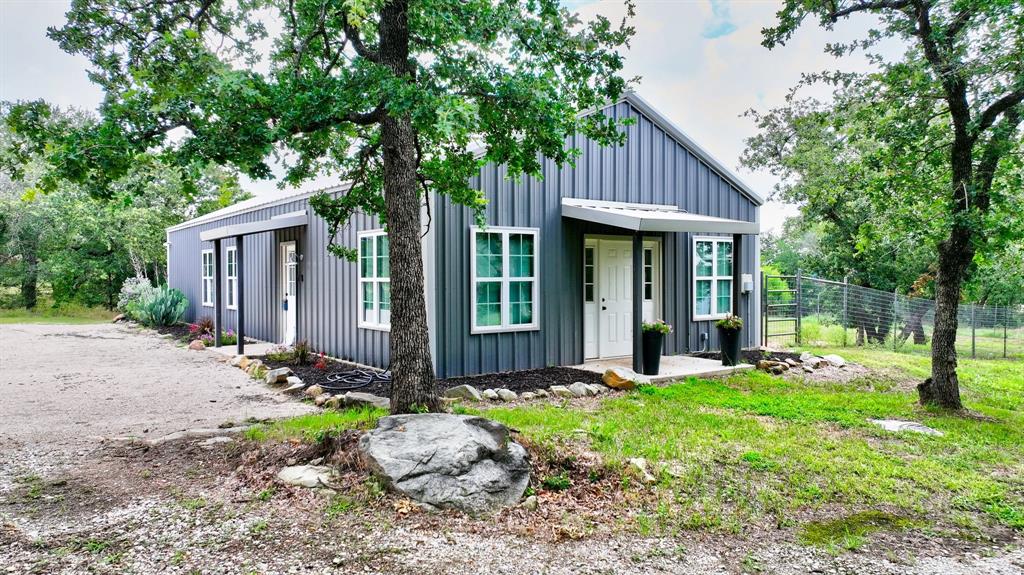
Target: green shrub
(559, 482)
(133, 290)
(162, 306)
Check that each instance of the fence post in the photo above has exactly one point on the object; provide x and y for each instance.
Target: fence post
(846, 304)
(799, 305)
(764, 309)
(1006, 320)
(973, 331)
(895, 301)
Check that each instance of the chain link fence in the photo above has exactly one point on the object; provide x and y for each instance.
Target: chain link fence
(816, 312)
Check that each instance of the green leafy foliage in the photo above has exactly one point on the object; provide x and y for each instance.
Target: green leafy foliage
(730, 323)
(160, 307)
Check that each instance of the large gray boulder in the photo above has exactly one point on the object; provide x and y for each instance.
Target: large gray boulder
(448, 461)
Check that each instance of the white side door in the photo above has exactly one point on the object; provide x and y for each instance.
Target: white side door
(289, 288)
(615, 304)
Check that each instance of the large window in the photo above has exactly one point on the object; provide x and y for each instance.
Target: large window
(504, 293)
(374, 281)
(712, 285)
(231, 297)
(207, 274)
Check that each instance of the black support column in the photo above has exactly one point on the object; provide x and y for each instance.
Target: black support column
(240, 271)
(638, 302)
(737, 275)
(218, 294)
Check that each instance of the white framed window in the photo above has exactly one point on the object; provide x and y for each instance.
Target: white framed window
(505, 290)
(231, 289)
(207, 275)
(589, 264)
(712, 278)
(374, 280)
(649, 274)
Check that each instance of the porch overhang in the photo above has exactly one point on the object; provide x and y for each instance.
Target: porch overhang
(652, 218)
(289, 220)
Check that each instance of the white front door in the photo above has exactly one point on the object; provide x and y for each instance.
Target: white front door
(289, 288)
(615, 298)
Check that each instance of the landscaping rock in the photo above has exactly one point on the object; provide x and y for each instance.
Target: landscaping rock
(311, 476)
(792, 362)
(293, 379)
(359, 399)
(765, 365)
(807, 356)
(448, 461)
(778, 368)
(215, 441)
(561, 391)
(279, 375)
(119, 317)
(808, 368)
(541, 393)
(321, 399)
(507, 395)
(464, 392)
(638, 466)
(528, 396)
(313, 391)
(295, 388)
(196, 345)
(596, 389)
(896, 425)
(253, 366)
(490, 394)
(579, 389)
(334, 402)
(834, 360)
(236, 361)
(243, 364)
(530, 503)
(623, 378)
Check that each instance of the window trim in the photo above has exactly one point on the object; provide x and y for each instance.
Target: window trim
(203, 278)
(505, 280)
(375, 280)
(714, 277)
(230, 281)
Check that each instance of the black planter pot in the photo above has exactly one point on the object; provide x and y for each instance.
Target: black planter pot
(652, 351)
(730, 342)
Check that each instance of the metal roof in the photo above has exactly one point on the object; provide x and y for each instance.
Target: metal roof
(652, 218)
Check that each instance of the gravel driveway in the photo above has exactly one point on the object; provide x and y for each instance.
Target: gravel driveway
(70, 504)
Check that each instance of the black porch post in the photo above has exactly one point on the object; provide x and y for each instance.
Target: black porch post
(240, 272)
(737, 274)
(218, 293)
(638, 301)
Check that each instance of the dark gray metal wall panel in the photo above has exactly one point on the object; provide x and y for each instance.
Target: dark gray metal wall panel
(651, 167)
(327, 300)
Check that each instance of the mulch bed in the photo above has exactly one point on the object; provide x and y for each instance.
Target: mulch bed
(517, 381)
(179, 331)
(752, 356)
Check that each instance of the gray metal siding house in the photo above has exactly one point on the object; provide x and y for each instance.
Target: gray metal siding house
(549, 281)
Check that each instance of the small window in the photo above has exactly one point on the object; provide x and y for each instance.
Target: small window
(231, 295)
(712, 290)
(504, 295)
(588, 274)
(648, 274)
(207, 277)
(374, 280)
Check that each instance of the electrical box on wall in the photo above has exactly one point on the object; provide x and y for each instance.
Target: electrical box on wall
(747, 283)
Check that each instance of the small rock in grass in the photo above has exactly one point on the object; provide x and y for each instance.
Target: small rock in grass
(333, 402)
(236, 361)
(464, 392)
(490, 394)
(528, 396)
(896, 425)
(507, 395)
(561, 391)
(778, 369)
(321, 399)
(638, 466)
(118, 317)
(623, 378)
(359, 399)
(196, 345)
(596, 389)
(530, 503)
(279, 375)
(313, 391)
(579, 389)
(541, 393)
(311, 476)
(835, 360)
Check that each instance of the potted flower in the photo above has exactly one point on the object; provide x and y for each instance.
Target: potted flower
(729, 329)
(654, 336)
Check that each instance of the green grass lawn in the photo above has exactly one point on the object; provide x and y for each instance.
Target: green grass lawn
(74, 314)
(760, 449)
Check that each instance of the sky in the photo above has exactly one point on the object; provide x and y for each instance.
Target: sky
(701, 63)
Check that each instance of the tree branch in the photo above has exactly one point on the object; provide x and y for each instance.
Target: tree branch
(868, 6)
(991, 114)
(352, 33)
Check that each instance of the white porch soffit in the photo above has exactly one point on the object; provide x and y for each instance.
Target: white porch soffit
(289, 220)
(652, 218)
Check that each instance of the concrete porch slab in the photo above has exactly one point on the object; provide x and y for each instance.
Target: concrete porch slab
(673, 367)
(257, 349)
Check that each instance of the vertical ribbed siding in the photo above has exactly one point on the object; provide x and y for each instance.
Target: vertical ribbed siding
(651, 167)
(327, 306)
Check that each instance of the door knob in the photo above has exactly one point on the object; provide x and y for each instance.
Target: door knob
(603, 308)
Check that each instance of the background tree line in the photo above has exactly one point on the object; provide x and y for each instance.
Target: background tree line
(68, 246)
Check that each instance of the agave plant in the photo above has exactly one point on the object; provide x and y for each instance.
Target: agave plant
(163, 306)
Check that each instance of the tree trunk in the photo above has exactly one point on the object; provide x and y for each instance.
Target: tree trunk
(413, 387)
(30, 280)
(943, 388)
